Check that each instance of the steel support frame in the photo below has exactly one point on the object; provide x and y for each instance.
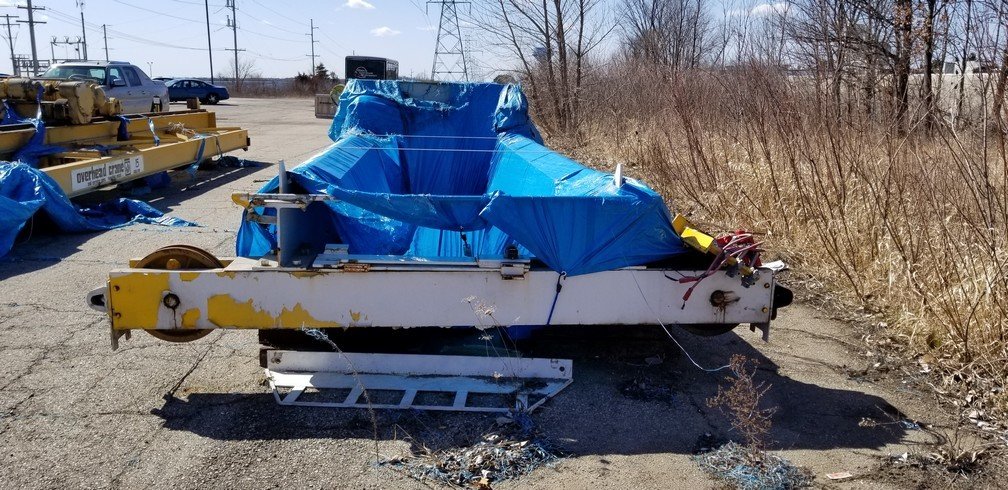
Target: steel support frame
(521, 384)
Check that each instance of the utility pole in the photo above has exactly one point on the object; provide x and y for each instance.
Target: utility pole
(10, 41)
(311, 33)
(206, 5)
(233, 24)
(80, 3)
(449, 50)
(31, 31)
(105, 37)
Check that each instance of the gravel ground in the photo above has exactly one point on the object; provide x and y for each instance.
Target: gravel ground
(73, 413)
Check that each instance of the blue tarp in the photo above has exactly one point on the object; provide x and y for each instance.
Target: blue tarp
(459, 170)
(25, 190)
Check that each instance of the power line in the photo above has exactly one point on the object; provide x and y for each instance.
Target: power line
(272, 24)
(268, 36)
(153, 11)
(335, 41)
(257, 2)
(266, 57)
(72, 20)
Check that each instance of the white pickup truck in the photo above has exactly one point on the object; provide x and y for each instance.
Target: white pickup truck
(126, 82)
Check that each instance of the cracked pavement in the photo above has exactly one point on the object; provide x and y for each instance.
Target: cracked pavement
(73, 413)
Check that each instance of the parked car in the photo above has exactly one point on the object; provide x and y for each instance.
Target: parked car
(186, 88)
(124, 81)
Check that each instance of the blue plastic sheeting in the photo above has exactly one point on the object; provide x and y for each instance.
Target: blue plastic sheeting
(459, 170)
(25, 190)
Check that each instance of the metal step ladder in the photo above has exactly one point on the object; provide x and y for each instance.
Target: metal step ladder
(412, 381)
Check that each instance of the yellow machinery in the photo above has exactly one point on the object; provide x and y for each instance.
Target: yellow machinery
(60, 101)
(95, 146)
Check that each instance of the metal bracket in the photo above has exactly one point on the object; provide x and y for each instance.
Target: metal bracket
(513, 271)
(463, 383)
(763, 327)
(249, 200)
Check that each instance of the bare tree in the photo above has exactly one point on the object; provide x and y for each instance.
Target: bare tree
(245, 70)
(551, 41)
(670, 33)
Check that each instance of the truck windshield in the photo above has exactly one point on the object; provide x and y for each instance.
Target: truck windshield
(76, 73)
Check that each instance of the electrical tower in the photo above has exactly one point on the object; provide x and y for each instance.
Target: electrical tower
(449, 50)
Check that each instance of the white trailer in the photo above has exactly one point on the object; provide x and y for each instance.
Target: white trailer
(181, 293)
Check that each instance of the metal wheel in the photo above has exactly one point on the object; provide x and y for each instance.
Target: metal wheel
(212, 99)
(186, 258)
(709, 329)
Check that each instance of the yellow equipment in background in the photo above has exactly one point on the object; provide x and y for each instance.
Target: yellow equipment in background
(60, 101)
(88, 144)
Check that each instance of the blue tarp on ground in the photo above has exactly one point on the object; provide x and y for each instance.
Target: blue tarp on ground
(25, 190)
(459, 170)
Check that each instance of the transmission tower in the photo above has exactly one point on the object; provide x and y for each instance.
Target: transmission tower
(449, 50)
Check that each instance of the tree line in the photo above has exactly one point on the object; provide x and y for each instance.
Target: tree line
(906, 63)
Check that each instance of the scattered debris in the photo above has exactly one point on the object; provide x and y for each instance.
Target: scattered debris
(909, 424)
(752, 469)
(512, 450)
(952, 461)
(646, 390)
(840, 475)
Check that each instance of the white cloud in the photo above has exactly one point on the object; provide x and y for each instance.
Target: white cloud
(358, 4)
(765, 9)
(384, 31)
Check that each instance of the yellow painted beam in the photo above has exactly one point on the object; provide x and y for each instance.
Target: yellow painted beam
(83, 176)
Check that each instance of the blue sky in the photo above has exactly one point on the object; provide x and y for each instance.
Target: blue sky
(173, 33)
(169, 37)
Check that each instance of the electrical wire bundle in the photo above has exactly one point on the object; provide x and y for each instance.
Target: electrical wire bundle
(738, 253)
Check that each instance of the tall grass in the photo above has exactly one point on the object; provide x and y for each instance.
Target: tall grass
(911, 225)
